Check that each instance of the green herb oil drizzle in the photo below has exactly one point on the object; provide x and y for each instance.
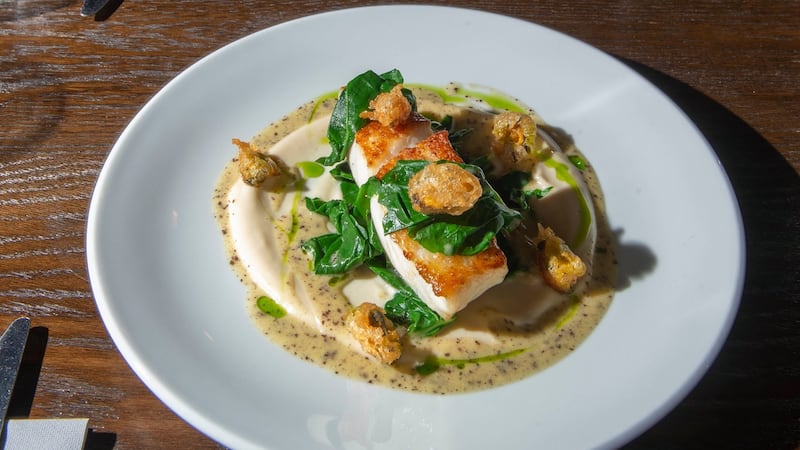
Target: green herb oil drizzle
(311, 169)
(562, 173)
(573, 308)
(269, 306)
(433, 363)
(462, 95)
(295, 226)
(319, 101)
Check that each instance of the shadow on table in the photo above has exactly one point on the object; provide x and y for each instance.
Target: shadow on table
(30, 368)
(750, 396)
(28, 379)
(99, 440)
(107, 10)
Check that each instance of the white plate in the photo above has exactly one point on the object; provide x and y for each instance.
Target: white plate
(176, 312)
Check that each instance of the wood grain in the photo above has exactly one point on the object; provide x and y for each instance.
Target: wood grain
(69, 85)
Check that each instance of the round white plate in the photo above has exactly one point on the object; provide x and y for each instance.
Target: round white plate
(176, 312)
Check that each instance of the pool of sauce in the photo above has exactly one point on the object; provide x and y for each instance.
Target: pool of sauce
(483, 348)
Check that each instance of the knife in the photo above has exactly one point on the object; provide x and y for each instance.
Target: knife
(12, 345)
(91, 7)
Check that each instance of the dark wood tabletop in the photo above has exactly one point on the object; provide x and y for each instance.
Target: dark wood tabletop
(70, 84)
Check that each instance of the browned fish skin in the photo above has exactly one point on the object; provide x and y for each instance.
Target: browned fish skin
(435, 147)
(450, 275)
(375, 139)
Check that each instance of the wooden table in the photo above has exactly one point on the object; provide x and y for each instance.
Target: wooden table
(70, 84)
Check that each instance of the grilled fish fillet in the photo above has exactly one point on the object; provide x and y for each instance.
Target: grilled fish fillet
(446, 283)
(376, 144)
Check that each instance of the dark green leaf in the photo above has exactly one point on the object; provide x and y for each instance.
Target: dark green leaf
(510, 187)
(345, 120)
(353, 242)
(353, 100)
(454, 136)
(393, 194)
(342, 172)
(383, 269)
(349, 192)
(406, 308)
(394, 76)
(467, 234)
(540, 193)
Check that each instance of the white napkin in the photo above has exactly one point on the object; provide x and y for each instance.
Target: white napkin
(46, 434)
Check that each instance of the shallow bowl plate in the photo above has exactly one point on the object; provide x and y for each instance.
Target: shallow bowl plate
(176, 312)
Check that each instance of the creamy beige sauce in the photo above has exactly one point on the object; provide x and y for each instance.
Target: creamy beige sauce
(510, 332)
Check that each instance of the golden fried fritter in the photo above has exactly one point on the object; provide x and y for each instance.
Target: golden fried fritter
(375, 332)
(515, 142)
(389, 108)
(254, 167)
(559, 266)
(443, 188)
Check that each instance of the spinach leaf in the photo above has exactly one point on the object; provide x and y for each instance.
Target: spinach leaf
(455, 137)
(540, 193)
(355, 242)
(510, 187)
(342, 172)
(355, 239)
(405, 307)
(361, 208)
(394, 77)
(352, 101)
(381, 267)
(338, 252)
(393, 194)
(467, 234)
